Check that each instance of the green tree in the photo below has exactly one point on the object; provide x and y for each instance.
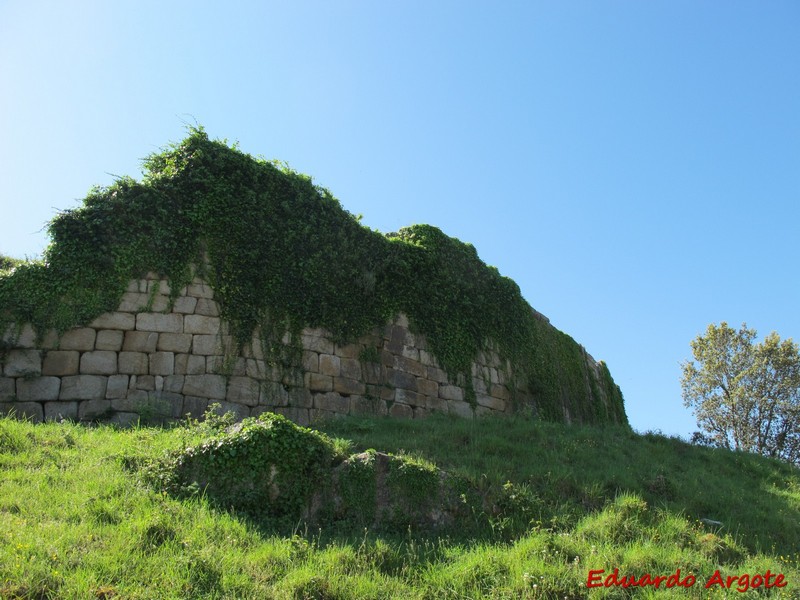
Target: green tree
(745, 395)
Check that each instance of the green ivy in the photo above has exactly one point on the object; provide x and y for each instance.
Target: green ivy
(267, 468)
(282, 254)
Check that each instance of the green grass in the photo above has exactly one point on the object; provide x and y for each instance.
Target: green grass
(77, 519)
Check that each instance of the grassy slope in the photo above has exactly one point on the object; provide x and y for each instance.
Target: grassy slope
(76, 521)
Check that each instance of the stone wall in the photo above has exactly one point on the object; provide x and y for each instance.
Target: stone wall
(160, 363)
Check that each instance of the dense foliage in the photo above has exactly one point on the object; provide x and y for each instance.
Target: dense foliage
(7, 263)
(282, 254)
(745, 395)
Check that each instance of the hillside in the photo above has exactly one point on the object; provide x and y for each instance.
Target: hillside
(281, 255)
(79, 518)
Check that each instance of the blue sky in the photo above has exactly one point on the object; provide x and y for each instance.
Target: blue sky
(634, 166)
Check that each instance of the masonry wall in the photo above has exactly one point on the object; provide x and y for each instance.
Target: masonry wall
(142, 361)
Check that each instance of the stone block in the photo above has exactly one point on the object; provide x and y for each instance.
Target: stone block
(397, 339)
(333, 402)
(401, 379)
(174, 342)
(38, 389)
(411, 353)
(438, 375)
(109, 339)
(401, 411)
(20, 337)
(348, 351)
(414, 367)
(426, 387)
(491, 402)
(420, 413)
(373, 373)
(362, 405)
(185, 305)
(460, 409)
(189, 364)
(8, 389)
(451, 392)
(134, 286)
(159, 286)
(199, 290)
(257, 369)
(300, 397)
(94, 409)
(201, 324)
(316, 344)
(81, 339)
(207, 307)
(174, 383)
(99, 362)
(347, 386)
(436, 404)
(148, 404)
(384, 392)
(125, 419)
(214, 364)
(500, 391)
(293, 377)
(310, 361)
(402, 396)
(239, 367)
(140, 341)
(274, 394)
(23, 363)
(319, 383)
(29, 411)
(329, 365)
(162, 363)
(133, 363)
(243, 390)
(61, 362)
(117, 386)
(50, 340)
(386, 358)
(350, 367)
(207, 345)
(160, 322)
(206, 386)
(145, 383)
(479, 385)
(123, 321)
(133, 302)
(253, 349)
(60, 411)
(427, 359)
(83, 387)
(194, 407)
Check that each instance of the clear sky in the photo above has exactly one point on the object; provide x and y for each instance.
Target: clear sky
(634, 166)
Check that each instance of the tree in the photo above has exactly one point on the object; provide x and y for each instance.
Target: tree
(745, 395)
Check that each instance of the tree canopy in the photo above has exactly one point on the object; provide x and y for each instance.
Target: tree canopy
(745, 395)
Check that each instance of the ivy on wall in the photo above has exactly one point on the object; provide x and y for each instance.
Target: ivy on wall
(282, 254)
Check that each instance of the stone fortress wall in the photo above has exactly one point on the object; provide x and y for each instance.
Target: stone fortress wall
(160, 363)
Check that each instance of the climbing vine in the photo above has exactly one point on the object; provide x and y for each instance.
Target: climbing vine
(282, 254)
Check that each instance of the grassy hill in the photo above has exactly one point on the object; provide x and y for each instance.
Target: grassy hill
(79, 520)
